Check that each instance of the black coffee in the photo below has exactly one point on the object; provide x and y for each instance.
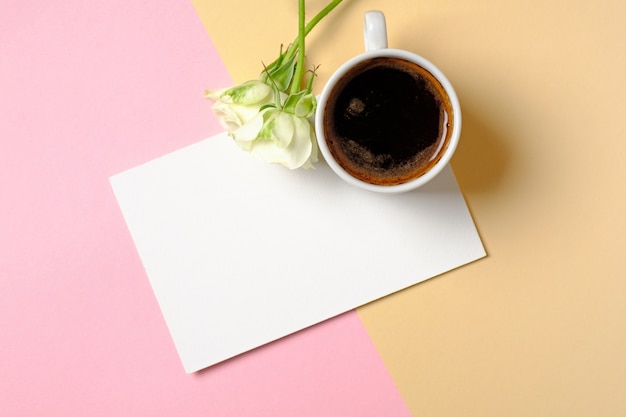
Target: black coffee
(387, 121)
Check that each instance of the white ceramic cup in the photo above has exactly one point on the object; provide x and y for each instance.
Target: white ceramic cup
(375, 36)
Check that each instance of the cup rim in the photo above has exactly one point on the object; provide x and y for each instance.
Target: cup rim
(416, 182)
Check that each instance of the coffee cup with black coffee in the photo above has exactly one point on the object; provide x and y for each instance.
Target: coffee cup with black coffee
(388, 120)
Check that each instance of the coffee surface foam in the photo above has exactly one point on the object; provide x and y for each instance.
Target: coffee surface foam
(387, 121)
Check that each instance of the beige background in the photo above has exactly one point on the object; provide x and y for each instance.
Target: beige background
(538, 328)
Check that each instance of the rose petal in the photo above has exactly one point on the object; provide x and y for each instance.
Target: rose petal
(245, 135)
(250, 92)
(301, 146)
(281, 128)
(296, 155)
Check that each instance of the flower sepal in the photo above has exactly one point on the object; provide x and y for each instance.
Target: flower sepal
(302, 104)
(280, 72)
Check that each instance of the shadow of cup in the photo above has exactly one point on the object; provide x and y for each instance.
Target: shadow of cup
(481, 158)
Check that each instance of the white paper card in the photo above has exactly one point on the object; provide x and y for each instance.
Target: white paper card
(240, 253)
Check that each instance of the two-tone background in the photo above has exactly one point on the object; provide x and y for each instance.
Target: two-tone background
(536, 328)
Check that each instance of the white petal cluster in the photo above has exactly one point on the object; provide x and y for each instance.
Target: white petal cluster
(236, 106)
(273, 129)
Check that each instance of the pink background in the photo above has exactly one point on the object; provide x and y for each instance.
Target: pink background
(89, 90)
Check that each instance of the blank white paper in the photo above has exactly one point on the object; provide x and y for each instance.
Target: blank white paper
(240, 253)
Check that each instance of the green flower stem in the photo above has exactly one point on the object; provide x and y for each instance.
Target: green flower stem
(295, 86)
(321, 15)
(293, 48)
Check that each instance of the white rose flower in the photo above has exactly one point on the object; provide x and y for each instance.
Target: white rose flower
(237, 105)
(279, 137)
(270, 117)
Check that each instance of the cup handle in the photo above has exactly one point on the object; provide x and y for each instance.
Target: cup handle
(374, 30)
